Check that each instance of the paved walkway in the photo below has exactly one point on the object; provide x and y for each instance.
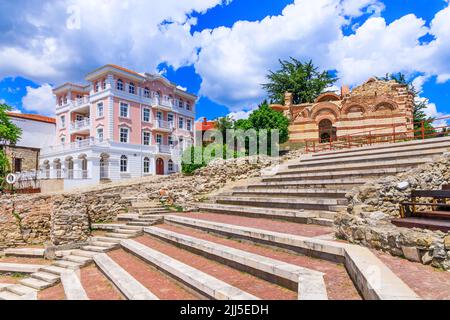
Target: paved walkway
(97, 286)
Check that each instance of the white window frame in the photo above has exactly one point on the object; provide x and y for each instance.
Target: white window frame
(181, 122)
(149, 115)
(188, 106)
(119, 85)
(63, 139)
(170, 165)
(189, 124)
(100, 138)
(123, 104)
(127, 134)
(123, 164)
(62, 119)
(146, 165)
(79, 117)
(146, 92)
(170, 115)
(132, 88)
(144, 133)
(170, 140)
(159, 115)
(159, 137)
(100, 110)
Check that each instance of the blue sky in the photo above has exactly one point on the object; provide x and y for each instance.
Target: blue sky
(221, 50)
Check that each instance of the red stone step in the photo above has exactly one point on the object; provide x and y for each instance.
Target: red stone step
(306, 230)
(339, 285)
(164, 287)
(422, 223)
(97, 286)
(244, 281)
(434, 214)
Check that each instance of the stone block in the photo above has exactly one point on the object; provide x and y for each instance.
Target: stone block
(411, 253)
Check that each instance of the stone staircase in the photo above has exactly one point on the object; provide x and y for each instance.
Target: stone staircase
(312, 189)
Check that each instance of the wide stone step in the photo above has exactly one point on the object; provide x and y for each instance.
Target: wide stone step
(416, 145)
(198, 280)
(368, 158)
(7, 295)
(35, 283)
(360, 262)
(129, 286)
(423, 223)
(21, 289)
(96, 249)
(25, 252)
(105, 239)
(288, 203)
(46, 276)
(79, 259)
(113, 226)
(333, 184)
(103, 244)
(54, 269)
(299, 216)
(68, 264)
(312, 193)
(140, 223)
(83, 253)
(309, 284)
(403, 163)
(19, 267)
(335, 174)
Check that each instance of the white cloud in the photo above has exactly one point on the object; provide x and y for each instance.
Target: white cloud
(238, 115)
(40, 100)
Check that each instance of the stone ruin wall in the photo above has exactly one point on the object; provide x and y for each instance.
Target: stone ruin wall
(367, 219)
(59, 219)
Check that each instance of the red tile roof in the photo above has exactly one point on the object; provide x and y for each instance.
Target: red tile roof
(205, 125)
(34, 117)
(124, 69)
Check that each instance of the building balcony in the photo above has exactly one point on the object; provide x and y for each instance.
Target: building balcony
(74, 146)
(164, 104)
(81, 125)
(162, 125)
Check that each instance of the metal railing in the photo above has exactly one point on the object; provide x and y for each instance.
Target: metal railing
(388, 134)
(72, 146)
(81, 124)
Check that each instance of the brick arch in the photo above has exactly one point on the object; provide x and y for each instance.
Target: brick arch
(327, 96)
(322, 106)
(392, 105)
(346, 109)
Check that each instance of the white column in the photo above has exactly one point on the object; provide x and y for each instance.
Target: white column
(93, 167)
(77, 167)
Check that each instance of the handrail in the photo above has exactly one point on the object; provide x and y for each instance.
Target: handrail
(419, 130)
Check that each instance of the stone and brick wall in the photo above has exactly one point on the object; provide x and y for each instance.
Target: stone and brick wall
(371, 207)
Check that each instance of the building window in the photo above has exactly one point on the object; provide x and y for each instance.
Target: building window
(170, 165)
(132, 88)
(188, 105)
(189, 124)
(120, 85)
(146, 165)
(181, 123)
(146, 138)
(170, 140)
(180, 103)
(104, 84)
(123, 164)
(123, 110)
(17, 165)
(63, 140)
(97, 86)
(147, 92)
(159, 115)
(159, 139)
(146, 115)
(170, 117)
(63, 121)
(124, 133)
(100, 109)
(100, 134)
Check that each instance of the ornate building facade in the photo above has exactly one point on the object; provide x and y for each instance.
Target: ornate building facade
(377, 106)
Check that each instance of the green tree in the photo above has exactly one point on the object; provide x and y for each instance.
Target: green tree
(419, 106)
(303, 80)
(223, 124)
(266, 118)
(9, 135)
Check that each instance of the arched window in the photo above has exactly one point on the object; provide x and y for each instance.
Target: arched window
(146, 165)
(170, 165)
(120, 85)
(132, 88)
(146, 92)
(123, 164)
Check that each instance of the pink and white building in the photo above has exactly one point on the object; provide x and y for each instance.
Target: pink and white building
(121, 125)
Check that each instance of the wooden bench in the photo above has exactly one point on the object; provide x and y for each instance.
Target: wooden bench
(439, 207)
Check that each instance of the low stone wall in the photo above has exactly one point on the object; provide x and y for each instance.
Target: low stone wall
(371, 207)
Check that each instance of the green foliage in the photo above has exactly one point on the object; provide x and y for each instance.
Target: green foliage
(303, 80)
(266, 118)
(419, 106)
(9, 133)
(223, 124)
